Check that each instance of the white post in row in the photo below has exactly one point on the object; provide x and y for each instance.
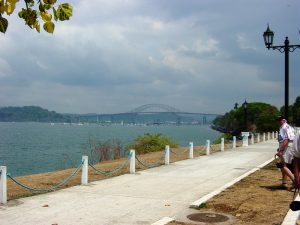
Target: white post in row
(167, 155)
(264, 137)
(85, 171)
(258, 137)
(207, 147)
(276, 134)
(132, 161)
(234, 142)
(245, 136)
(3, 185)
(252, 139)
(273, 135)
(268, 136)
(191, 153)
(222, 144)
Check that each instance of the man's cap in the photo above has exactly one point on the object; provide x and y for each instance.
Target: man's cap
(279, 118)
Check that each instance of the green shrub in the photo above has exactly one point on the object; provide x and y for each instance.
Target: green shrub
(151, 143)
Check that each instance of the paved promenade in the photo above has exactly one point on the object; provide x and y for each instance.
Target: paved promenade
(142, 198)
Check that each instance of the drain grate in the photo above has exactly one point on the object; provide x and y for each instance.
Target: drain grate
(208, 217)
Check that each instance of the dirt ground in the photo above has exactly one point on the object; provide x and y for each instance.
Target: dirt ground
(257, 199)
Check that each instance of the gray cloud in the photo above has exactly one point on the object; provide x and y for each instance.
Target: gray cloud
(112, 56)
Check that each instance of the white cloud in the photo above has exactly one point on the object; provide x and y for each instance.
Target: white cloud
(211, 45)
(244, 42)
(5, 68)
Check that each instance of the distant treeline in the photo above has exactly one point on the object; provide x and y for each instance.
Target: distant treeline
(31, 113)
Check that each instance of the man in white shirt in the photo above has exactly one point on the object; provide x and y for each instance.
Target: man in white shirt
(296, 155)
(285, 151)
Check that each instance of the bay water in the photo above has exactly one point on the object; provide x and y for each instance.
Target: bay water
(30, 148)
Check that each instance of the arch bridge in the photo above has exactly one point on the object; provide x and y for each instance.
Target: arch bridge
(145, 114)
(181, 116)
(143, 108)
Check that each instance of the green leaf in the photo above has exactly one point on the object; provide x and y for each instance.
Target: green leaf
(9, 8)
(37, 26)
(50, 2)
(3, 24)
(47, 6)
(49, 27)
(54, 14)
(46, 16)
(41, 7)
(64, 11)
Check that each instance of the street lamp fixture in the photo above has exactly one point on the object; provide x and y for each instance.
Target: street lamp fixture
(268, 37)
(245, 105)
(236, 105)
(286, 49)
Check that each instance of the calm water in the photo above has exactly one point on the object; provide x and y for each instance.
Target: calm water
(29, 148)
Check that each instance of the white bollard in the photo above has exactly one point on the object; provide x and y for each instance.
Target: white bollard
(258, 137)
(252, 139)
(191, 153)
(245, 136)
(273, 135)
(132, 161)
(268, 136)
(3, 185)
(207, 147)
(222, 144)
(234, 142)
(85, 170)
(167, 155)
(264, 137)
(276, 134)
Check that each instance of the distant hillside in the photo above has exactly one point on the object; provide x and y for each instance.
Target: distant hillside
(30, 113)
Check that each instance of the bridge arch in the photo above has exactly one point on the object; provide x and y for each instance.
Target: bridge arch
(142, 108)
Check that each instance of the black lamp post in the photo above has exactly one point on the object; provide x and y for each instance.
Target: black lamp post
(286, 49)
(245, 106)
(236, 105)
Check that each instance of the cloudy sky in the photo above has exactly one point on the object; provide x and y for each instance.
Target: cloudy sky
(115, 55)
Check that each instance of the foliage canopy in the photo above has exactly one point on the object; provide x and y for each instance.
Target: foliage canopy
(294, 115)
(260, 117)
(36, 11)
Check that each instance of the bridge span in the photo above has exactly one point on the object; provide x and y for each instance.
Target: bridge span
(159, 114)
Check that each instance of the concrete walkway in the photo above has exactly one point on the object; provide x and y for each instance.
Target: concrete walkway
(142, 198)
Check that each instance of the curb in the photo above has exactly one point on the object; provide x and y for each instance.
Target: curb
(292, 216)
(163, 221)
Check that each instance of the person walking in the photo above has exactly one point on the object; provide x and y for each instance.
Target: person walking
(285, 138)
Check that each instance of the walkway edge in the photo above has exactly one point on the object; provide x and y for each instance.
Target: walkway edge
(292, 216)
(163, 221)
(202, 200)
